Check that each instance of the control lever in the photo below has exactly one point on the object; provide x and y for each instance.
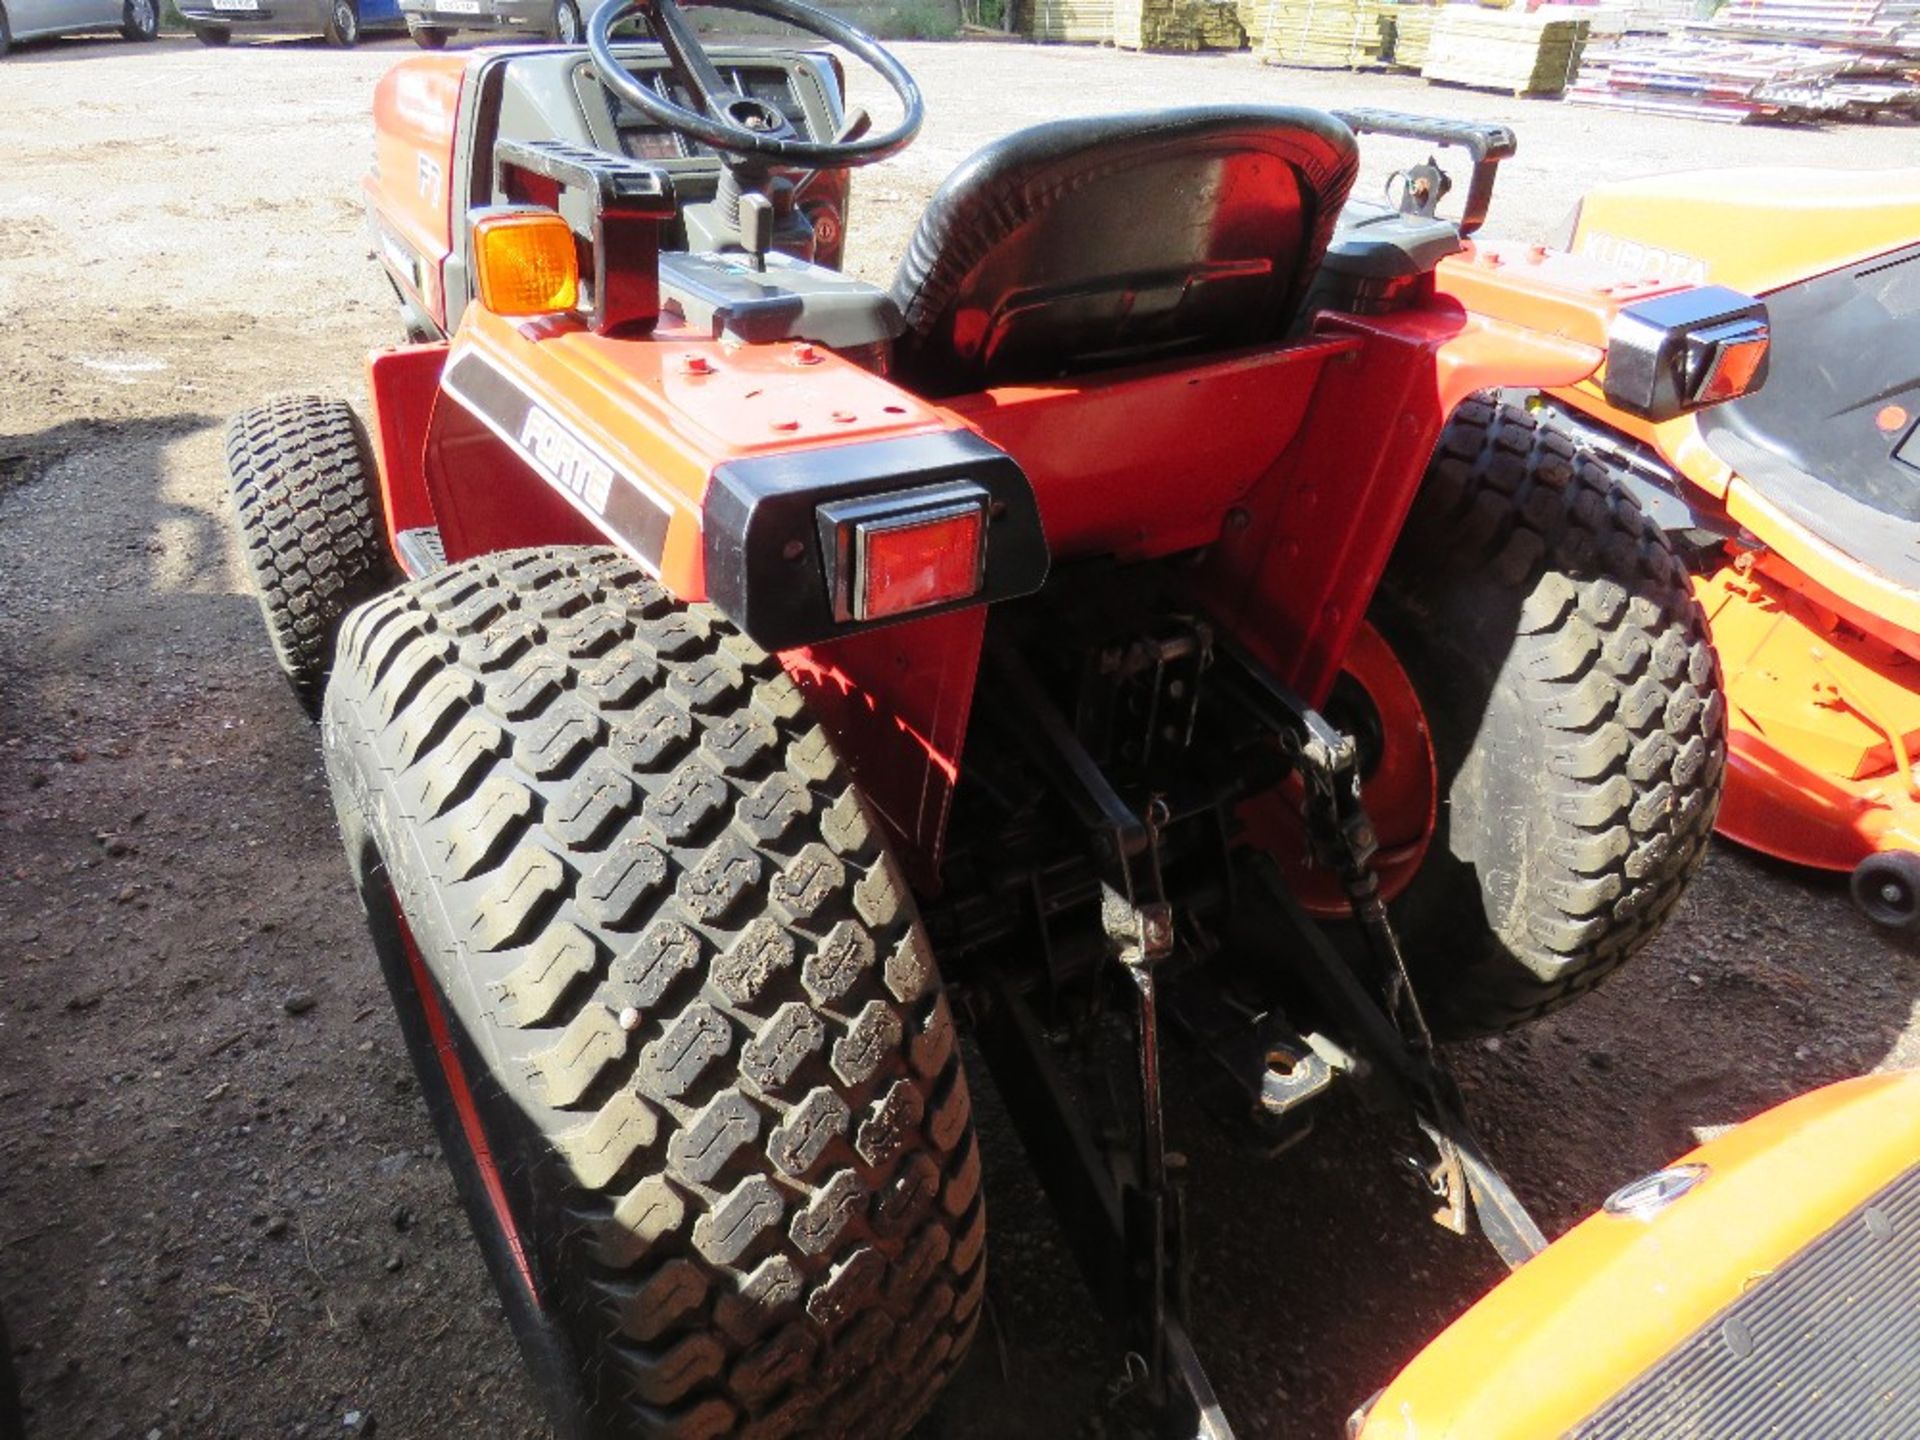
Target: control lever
(756, 227)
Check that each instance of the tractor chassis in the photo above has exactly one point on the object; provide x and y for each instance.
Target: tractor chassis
(1120, 1201)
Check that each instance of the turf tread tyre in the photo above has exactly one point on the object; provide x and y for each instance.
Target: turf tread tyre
(301, 480)
(1580, 787)
(731, 1176)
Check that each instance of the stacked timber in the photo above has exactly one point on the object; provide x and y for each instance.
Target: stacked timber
(1521, 53)
(1406, 33)
(1069, 22)
(1180, 26)
(1320, 34)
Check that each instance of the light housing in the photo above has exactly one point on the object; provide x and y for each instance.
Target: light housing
(892, 554)
(1686, 350)
(778, 533)
(525, 261)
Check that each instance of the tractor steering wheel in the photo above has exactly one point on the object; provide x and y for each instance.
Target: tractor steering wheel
(741, 128)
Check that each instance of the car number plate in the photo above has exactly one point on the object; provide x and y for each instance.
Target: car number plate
(457, 7)
(245, 6)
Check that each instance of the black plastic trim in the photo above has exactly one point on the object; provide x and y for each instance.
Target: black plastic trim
(766, 568)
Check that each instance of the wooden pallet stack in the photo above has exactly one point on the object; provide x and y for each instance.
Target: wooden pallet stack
(1069, 22)
(1320, 34)
(1177, 26)
(1521, 53)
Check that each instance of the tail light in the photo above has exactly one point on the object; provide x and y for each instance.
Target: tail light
(893, 554)
(1685, 351)
(809, 545)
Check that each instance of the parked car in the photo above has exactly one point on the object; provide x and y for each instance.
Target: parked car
(343, 22)
(434, 22)
(43, 19)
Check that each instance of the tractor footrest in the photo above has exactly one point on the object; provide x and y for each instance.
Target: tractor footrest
(421, 551)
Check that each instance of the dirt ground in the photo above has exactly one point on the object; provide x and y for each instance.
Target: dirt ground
(221, 1210)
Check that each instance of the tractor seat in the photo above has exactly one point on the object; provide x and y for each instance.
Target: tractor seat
(1115, 239)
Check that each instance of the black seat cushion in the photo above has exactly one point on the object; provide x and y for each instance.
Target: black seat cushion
(1115, 239)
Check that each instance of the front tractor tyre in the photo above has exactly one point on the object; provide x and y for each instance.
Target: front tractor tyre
(1577, 724)
(667, 993)
(300, 475)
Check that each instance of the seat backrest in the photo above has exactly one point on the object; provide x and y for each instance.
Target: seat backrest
(1116, 239)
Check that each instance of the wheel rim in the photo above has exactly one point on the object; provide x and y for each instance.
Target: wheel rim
(1400, 785)
(461, 1093)
(143, 16)
(345, 22)
(1884, 887)
(567, 25)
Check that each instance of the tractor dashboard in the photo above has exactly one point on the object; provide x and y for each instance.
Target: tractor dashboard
(554, 94)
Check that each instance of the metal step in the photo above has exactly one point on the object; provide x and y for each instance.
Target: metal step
(420, 550)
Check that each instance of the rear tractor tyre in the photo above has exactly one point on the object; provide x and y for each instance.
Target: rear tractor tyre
(1886, 887)
(1577, 721)
(668, 995)
(430, 37)
(301, 477)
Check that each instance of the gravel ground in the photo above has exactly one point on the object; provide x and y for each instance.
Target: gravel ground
(221, 1210)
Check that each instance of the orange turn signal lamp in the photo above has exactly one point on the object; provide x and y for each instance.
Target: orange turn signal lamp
(1723, 361)
(525, 261)
(905, 551)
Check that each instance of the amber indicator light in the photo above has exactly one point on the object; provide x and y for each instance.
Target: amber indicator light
(525, 263)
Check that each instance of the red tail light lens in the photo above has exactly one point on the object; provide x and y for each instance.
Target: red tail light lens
(1724, 362)
(914, 561)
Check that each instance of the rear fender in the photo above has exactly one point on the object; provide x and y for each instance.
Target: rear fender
(1299, 556)
(404, 384)
(541, 432)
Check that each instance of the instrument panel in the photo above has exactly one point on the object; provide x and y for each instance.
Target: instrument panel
(794, 92)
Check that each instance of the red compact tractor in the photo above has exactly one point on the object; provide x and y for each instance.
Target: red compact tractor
(1127, 628)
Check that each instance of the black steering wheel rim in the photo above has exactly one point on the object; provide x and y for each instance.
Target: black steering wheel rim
(737, 140)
